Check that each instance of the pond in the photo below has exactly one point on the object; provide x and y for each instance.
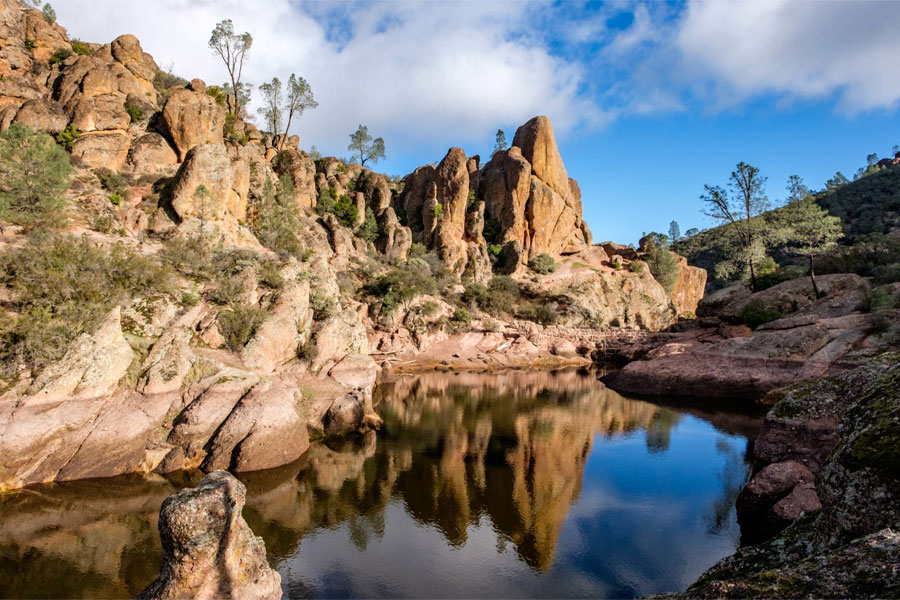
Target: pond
(522, 484)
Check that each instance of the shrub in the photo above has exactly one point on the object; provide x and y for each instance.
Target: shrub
(756, 313)
(134, 112)
(616, 262)
(346, 212)
(369, 229)
(417, 250)
(60, 55)
(239, 324)
(62, 286)
(116, 198)
(664, 266)
(506, 284)
(218, 94)
(437, 210)
(492, 232)
(462, 316)
(81, 48)
(542, 264)
(30, 44)
(34, 176)
(229, 291)
(400, 286)
(231, 133)
(164, 81)
(636, 267)
(189, 299)
(66, 138)
(881, 300)
(539, 312)
(326, 201)
(277, 225)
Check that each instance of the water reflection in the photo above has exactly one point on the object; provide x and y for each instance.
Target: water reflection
(519, 484)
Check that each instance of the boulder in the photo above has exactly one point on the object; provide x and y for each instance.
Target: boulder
(108, 149)
(689, 287)
(192, 119)
(263, 431)
(210, 166)
(394, 240)
(209, 550)
(355, 370)
(349, 413)
(126, 49)
(284, 329)
(104, 111)
(340, 335)
(42, 115)
(151, 154)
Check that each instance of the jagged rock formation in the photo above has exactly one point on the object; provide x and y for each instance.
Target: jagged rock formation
(525, 189)
(209, 550)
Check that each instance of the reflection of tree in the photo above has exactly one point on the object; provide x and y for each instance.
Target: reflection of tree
(659, 431)
(734, 475)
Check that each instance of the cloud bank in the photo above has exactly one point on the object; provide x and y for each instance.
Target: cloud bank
(454, 72)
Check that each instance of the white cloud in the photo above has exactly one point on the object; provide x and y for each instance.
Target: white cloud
(800, 50)
(409, 71)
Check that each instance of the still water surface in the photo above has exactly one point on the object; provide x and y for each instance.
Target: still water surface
(514, 485)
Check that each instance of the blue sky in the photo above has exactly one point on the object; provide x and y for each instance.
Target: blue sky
(649, 100)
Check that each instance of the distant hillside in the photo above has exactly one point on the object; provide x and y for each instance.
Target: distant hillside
(869, 209)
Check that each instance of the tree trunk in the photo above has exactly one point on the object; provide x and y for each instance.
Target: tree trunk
(752, 277)
(812, 278)
(286, 129)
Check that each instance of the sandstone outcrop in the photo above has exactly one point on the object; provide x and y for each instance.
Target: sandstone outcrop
(205, 185)
(193, 119)
(803, 345)
(288, 325)
(209, 550)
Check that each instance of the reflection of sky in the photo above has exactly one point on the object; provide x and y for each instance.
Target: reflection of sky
(643, 523)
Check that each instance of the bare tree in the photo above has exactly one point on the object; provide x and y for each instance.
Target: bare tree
(299, 98)
(232, 49)
(271, 109)
(749, 201)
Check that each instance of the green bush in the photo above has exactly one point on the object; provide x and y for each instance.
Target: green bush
(66, 138)
(755, 313)
(278, 224)
(81, 48)
(116, 198)
(636, 267)
(437, 210)
(326, 202)
(229, 291)
(60, 55)
(538, 312)
(62, 286)
(346, 212)
(34, 177)
(663, 266)
(400, 286)
(462, 316)
(882, 300)
(218, 94)
(231, 133)
(542, 264)
(369, 229)
(506, 284)
(239, 324)
(134, 112)
(30, 44)
(165, 81)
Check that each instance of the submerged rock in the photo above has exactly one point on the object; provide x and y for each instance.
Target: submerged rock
(209, 550)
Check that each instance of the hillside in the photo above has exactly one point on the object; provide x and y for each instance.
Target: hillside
(869, 209)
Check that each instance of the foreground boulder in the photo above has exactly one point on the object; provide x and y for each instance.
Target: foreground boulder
(209, 550)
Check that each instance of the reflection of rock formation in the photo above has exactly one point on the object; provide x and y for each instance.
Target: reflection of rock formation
(92, 538)
(511, 446)
(455, 448)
